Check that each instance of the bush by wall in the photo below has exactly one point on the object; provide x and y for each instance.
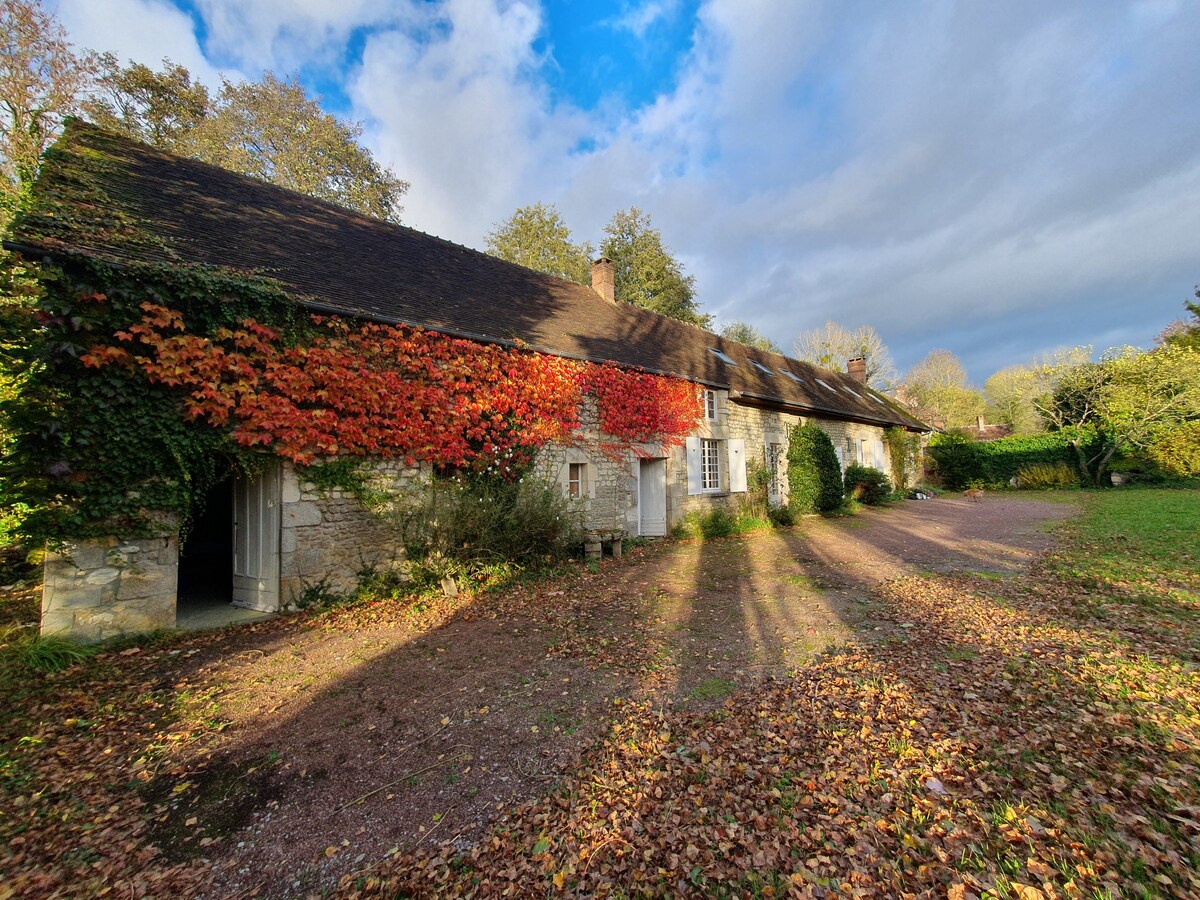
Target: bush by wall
(867, 485)
(814, 475)
(1047, 476)
(960, 463)
(904, 448)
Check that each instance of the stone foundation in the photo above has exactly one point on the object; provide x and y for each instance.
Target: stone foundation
(326, 535)
(104, 587)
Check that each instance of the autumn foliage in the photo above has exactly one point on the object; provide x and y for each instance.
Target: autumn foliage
(391, 391)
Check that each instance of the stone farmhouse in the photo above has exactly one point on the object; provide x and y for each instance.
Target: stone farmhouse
(263, 538)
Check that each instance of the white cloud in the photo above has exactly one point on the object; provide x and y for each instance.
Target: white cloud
(146, 31)
(637, 20)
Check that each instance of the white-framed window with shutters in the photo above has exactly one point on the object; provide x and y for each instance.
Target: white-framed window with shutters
(715, 466)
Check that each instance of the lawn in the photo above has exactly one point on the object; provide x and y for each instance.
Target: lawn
(676, 723)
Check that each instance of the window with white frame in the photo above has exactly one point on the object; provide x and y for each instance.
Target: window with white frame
(576, 480)
(710, 464)
(710, 404)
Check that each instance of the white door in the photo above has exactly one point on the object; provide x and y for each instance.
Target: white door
(256, 522)
(652, 498)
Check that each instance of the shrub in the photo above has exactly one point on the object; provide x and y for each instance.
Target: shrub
(781, 516)
(455, 525)
(1047, 476)
(814, 475)
(715, 523)
(1178, 450)
(904, 448)
(867, 485)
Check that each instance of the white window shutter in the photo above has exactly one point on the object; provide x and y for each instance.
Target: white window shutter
(695, 479)
(879, 460)
(737, 466)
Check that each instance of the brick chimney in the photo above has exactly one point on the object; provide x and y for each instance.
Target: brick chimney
(979, 423)
(604, 279)
(857, 369)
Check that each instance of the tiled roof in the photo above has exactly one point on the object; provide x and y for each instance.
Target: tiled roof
(333, 259)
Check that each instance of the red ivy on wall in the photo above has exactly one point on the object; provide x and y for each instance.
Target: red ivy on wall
(376, 390)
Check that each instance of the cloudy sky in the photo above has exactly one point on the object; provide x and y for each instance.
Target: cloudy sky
(996, 179)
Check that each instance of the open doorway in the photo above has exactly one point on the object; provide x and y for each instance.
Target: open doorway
(229, 561)
(206, 560)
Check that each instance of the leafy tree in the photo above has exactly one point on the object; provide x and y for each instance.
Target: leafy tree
(1184, 334)
(647, 275)
(831, 345)
(272, 130)
(1009, 394)
(1125, 402)
(41, 78)
(269, 129)
(937, 389)
(814, 475)
(536, 237)
(745, 333)
(158, 108)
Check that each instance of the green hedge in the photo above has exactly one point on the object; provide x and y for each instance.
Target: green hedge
(814, 474)
(961, 462)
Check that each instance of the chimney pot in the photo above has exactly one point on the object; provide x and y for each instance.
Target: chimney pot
(604, 279)
(857, 369)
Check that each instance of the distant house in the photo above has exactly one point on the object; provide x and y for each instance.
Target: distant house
(268, 535)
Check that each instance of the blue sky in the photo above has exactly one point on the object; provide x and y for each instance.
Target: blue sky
(998, 180)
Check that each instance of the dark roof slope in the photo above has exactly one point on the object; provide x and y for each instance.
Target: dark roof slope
(123, 201)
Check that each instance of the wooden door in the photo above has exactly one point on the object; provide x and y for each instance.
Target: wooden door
(652, 498)
(256, 524)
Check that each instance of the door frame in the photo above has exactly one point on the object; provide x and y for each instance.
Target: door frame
(256, 571)
(641, 518)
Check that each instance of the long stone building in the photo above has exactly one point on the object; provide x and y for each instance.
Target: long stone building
(273, 533)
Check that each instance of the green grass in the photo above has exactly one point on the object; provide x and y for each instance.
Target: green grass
(1130, 537)
(712, 689)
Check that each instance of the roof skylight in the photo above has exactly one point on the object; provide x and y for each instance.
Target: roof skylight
(824, 385)
(792, 375)
(721, 356)
(761, 367)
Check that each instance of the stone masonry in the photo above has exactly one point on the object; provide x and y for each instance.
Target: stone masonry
(103, 587)
(326, 535)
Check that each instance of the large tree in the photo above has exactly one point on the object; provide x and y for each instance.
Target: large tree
(41, 79)
(1010, 394)
(745, 333)
(1184, 334)
(937, 389)
(269, 129)
(647, 275)
(536, 237)
(1125, 402)
(159, 108)
(831, 345)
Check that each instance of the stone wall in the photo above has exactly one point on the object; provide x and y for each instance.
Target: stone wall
(327, 535)
(103, 587)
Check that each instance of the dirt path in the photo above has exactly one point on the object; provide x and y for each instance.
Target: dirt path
(361, 731)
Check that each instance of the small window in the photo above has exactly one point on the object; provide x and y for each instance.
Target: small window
(576, 480)
(710, 464)
(796, 378)
(722, 357)
(761, 367)
(850, 390)
(824, 385)
(710, 405)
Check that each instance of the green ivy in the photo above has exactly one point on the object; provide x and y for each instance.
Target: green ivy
(98, 450)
